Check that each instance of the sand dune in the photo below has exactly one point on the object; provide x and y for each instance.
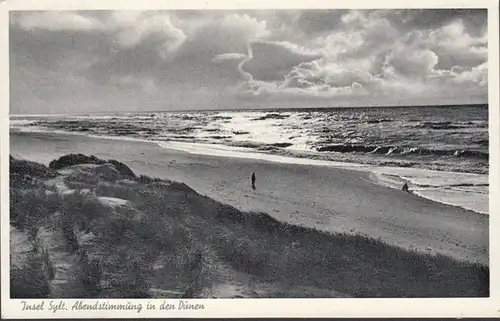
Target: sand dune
(342, 201)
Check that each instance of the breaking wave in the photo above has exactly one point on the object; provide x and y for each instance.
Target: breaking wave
(396, 150)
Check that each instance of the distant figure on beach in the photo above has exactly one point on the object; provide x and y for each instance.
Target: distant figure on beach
(405, 187)
(253, 181)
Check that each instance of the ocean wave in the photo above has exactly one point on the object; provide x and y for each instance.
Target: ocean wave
(283, 145)
(445, 125)
(261, 146)
(271, 116)
(222, 117)
(402, 151)
(377, 121)
(482, 142)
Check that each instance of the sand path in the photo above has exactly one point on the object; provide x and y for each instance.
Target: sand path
(327, 198)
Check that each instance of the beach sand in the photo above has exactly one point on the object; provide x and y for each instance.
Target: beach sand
(336, 200)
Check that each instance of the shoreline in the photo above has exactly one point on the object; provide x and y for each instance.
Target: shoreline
(346, 201)
(98, 222)
(380, 175)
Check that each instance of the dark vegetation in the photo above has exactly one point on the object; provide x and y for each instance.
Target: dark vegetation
(78, 159)
(168, 236)
(28, 174)
(29, 281)
(357, 265)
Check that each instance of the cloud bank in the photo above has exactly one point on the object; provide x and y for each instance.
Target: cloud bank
(160, 60)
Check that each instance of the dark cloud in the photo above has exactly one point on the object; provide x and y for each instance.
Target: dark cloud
(271, 61)
(413, 63)
(475, 20)
(449, 58)
(316, 21)
(50, 50)
(140, 61)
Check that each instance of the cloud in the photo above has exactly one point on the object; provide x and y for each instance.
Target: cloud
(145, 84)
(271, 61)
(229, 56)
(223, 57)
(231, 34)
(411, 63)
(241, 58)
(473, 79)
(133, 28)
(55, 21)
(125, 28)
(313, 21)
(455, 47)
(474, 20)
(367, 53)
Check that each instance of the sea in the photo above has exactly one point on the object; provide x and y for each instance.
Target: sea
(440, 151)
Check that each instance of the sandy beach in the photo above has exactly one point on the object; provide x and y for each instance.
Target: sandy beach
(342, 201)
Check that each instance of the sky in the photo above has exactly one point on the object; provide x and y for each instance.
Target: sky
(99, 61)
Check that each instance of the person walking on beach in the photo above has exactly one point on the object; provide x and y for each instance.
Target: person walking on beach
(253, 181)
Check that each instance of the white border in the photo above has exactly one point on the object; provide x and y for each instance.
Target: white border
(233, 308)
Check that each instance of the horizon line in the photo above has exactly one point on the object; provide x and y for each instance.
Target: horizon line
(255, 108)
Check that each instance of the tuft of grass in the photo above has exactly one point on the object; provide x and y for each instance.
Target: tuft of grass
(74, 159)
(33, 169)
(80, 176)
(133, 280)
(123, 169)
(244, 255)
(47, 262)
(144, 179)
(29, 281)
(80, 209)
(118, 191)
(30, 208)
(88, 278)
(78, 185)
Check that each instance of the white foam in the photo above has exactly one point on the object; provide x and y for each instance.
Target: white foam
(466, 190)
(477, 202)
(20, 122)
(438, 186)
(243, 152)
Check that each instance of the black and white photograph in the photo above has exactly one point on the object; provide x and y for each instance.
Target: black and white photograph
(248, 154)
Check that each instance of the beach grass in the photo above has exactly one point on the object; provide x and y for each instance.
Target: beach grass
(162, 234)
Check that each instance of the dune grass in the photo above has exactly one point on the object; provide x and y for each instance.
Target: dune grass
(357, 265)
(168, 235)
(30, 280)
